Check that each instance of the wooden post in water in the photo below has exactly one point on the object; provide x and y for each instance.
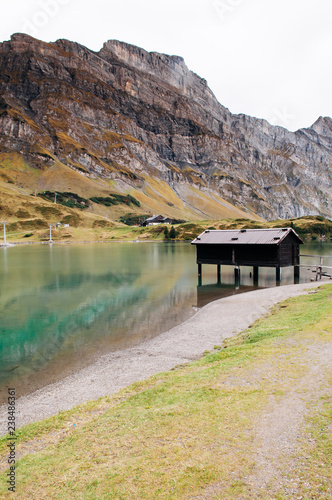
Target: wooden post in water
(278, 275)
(296, 275)
(199, 274)
(320, 268)
(318, 273)
(256, 275)
(237, 276)
(218, 274)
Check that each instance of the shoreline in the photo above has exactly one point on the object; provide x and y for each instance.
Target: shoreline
(87, 242)
(185, 342)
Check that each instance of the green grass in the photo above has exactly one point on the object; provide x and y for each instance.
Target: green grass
(178, 433)
(100, 223)
(105, 229)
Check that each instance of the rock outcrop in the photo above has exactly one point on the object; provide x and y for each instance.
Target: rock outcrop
(129, 116)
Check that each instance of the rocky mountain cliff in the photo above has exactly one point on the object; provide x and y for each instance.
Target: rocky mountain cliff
(141, 123)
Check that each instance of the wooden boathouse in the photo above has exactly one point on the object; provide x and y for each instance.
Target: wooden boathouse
(278, 247)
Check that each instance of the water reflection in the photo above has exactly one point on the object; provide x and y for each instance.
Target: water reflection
(5, 260)
(211, 292)
(63, 306)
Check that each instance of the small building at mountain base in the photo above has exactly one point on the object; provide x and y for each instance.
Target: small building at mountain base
(157, 219)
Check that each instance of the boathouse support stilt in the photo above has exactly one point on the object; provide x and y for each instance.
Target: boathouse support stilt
(218, 274)
(256, 275)
(296, 275)
(278, 275)
(199, 274)
(237, 276)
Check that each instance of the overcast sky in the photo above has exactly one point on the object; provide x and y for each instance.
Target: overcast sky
(266, 58)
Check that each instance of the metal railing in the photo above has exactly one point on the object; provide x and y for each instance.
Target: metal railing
(320, 269)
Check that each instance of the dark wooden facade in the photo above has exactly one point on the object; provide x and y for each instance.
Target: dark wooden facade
(252, 247)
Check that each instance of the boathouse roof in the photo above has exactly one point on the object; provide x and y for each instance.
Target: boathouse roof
(272, 236)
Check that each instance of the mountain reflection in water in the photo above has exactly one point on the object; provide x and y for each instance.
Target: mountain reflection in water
(63, 306)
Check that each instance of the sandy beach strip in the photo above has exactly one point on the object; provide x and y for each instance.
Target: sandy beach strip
(208, 327)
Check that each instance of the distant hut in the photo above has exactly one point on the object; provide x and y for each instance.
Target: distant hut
(157, 219)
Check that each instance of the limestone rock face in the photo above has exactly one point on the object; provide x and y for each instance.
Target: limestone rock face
(129, 115)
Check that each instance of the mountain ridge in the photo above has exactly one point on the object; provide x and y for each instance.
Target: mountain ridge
(143, 123)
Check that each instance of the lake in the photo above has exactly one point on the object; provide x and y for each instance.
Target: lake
(63, 306)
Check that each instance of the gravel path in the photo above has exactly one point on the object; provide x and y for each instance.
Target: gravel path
(112, 372)
(280, 427)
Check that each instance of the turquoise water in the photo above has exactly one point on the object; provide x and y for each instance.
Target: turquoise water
(63, 306)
